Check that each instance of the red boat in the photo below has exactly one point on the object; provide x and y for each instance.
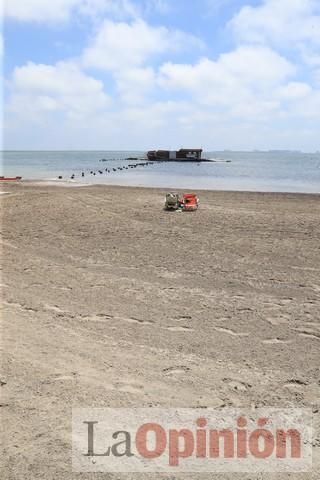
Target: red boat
(12, 179)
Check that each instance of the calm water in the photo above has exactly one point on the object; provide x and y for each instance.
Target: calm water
(255, 171)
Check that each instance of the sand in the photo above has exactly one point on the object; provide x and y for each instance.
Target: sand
(109, 301)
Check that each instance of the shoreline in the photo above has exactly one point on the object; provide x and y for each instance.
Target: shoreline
(74, 184)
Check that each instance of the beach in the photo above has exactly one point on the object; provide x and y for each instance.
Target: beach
(109, 301)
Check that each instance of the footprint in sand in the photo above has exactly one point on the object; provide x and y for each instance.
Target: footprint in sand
(284, 301)
(231, 332)
(176, 370)
(310, 334)
(60, 377)
(273, 321)
(11, 304)
(180, 329)
(19, 306)
(180, 318)
(237, 385)
(100, 317)
(273, 341)
(127, 388)
(277, 320)
(138, 321)
(53, 308)
(316, 325)
(295, 383)
(8, 244)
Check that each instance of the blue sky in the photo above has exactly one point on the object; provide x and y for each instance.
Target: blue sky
(138, 74)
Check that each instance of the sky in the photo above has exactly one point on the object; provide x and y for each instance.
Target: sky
(144, 74)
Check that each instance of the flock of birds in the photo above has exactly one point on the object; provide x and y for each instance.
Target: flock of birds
(111, 170)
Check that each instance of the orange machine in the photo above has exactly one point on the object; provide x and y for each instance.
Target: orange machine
(190, 202)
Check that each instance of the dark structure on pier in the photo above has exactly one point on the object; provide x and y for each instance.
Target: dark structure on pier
(182, 155)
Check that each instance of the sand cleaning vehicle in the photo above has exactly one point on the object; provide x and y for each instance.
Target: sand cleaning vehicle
(172, 201)
(189, 202)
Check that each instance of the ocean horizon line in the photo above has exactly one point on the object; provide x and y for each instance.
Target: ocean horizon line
(315, 152)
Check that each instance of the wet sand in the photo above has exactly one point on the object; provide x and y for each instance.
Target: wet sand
(109, 301)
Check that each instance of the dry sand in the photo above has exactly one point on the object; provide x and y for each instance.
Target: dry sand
(110, 301)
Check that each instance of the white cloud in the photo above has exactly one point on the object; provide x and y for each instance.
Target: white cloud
(134, 84)
(241, 81)
(285, 23)
(294, 91)
(125, 49)
(38, 89)
(26, 10)
(246, 64)
(123, 45)
(61, 10)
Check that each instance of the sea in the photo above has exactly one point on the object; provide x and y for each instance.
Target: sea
(274, 171)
